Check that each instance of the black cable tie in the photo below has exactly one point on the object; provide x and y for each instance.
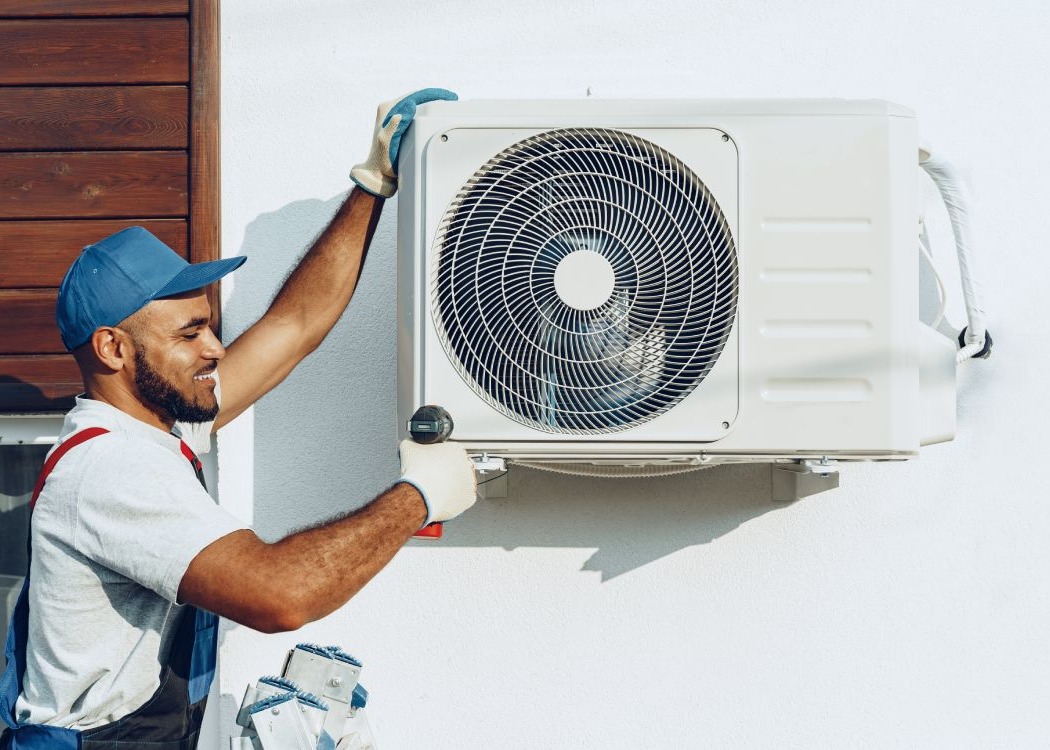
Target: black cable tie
(986, 350)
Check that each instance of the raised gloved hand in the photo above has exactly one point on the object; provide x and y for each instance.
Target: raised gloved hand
(378, 173)
(444, 476)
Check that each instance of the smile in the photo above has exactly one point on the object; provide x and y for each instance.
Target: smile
(209, 376)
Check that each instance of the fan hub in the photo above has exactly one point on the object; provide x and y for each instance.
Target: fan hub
(584, 280)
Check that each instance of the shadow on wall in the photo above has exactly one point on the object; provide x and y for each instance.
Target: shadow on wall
(631, 522)
(326, 439)
(18, 396)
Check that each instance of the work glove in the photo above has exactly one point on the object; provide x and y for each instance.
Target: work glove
(378, 173)
(444, 476)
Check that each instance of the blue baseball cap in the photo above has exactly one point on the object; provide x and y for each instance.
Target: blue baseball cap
(116, 277)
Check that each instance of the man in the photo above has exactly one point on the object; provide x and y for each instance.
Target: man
(113, 640)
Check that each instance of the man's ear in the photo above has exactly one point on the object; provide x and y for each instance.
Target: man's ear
(112, 348)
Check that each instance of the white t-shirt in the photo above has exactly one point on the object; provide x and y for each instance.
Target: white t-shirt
(117, 524)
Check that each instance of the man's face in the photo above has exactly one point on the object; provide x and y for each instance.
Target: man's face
(176, 355)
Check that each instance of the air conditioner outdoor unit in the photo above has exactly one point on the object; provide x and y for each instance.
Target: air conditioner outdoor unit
(668, 283)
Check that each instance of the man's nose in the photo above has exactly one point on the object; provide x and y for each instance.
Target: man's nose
(213, 348)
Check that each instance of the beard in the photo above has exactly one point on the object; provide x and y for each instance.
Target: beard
(161, 394)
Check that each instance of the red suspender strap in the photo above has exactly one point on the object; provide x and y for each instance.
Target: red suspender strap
(84, 435)
(191, 457)
(71, 442)
(194, 462)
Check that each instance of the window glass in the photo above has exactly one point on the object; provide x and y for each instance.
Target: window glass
(19, 466)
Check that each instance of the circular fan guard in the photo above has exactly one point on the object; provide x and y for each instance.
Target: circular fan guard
(535, 354)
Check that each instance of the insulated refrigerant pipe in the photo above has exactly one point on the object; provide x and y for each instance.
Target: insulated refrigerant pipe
(430, 424)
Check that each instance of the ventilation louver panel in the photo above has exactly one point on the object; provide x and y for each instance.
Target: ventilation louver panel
(585, 281)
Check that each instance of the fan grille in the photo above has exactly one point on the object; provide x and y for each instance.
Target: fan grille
(585, 281)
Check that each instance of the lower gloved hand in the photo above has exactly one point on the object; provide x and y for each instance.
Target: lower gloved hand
(378, 173)
(444, 476)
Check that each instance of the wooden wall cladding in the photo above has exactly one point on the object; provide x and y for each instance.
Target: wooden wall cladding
(93, 184)
(94, 50)
(28, 327)
(73, 8)
(108, 119)
(36, 254)
(93, 117)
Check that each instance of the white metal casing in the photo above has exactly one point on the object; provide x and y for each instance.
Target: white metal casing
(822, 201)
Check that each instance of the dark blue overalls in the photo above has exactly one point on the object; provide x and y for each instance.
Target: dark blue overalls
(169, 720)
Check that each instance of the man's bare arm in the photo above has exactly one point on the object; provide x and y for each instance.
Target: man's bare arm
(284, 585)
(304, 310)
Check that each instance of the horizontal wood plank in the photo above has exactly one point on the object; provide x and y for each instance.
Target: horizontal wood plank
(59, 8)
(27, 322)
(38, 383)
(116, 184)
(119, 50)
(93, 117)
(36, 254)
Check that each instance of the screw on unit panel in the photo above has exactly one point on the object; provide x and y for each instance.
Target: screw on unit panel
(725, 425)
(725, 138)
(444, 137)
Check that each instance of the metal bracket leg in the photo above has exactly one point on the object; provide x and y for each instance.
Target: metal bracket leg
(791, 482)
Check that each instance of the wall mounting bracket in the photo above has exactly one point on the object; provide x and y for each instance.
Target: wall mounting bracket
(794, 481)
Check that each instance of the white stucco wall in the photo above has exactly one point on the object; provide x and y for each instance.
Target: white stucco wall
(909, 608)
